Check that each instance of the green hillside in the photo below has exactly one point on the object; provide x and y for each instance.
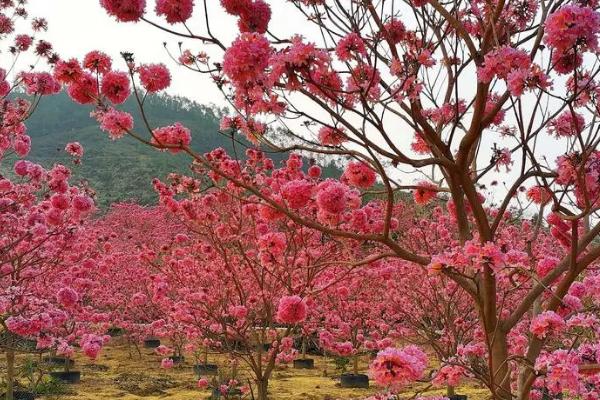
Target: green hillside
(120, 170)
(123, 170)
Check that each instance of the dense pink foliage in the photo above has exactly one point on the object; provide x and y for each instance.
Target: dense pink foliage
(492, 265)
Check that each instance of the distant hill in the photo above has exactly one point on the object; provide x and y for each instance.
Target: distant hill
(121, 170)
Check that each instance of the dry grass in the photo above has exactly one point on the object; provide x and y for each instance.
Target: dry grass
(118, 375)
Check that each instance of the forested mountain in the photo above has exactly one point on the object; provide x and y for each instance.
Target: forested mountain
(121, 170)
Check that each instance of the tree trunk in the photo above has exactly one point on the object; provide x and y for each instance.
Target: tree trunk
(355, 366)
(450, 391)
(500, 369)
(10, 374)
(304, 347)
(262, 386)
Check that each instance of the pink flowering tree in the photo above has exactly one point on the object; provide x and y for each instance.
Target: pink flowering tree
(353, 316)
(40, 212)
(480, 89)
(243, 277)
(128, 235)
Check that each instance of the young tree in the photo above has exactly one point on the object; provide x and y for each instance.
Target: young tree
(242, 276)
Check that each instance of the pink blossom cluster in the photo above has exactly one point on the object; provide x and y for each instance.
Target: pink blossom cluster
(546, 323)
(398, 367)
(125, 10)
(291, 310)
(175, 10)
(172, 137)
(254, 15)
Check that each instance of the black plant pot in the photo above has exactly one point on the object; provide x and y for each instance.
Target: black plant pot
(231, 393)
(354, 381)
(114, 332)
(457, 397)
(59, 361)
(177, 359)
(304, 363)
(67, 377)
(21, 395)
(151, 343)
(206, 369)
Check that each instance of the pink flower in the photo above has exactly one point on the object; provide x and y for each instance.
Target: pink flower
(96, 61)
(239, 312)
(539, 194)
(23, 42)
(291, 310)
(351, 46)
(175, 10)
(40, 83)
(565, 63)
(154, 77)
(425, 193)
(202, 383)
(273, 243)
(359, 174)
(75, 149)
(332, 197)
(166, 363)
(22, 145)
(396, 31)
(21, 167)
(82, 203)
(163, 350)
(116, 123)
(297, 193)
(67, 71)
(84, 90)
(236, 7)
(255, 17)
(396, 367)
(92, 344)
(247, 57)
(125, 10)
(499, 63)
(67, 297)
(572, 26)
(545, 323)
(569, 123)
(449, 375)
(331, 136)
(60, 201)
(115, 86)
(173, 135)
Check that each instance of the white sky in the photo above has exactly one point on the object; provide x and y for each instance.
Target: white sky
(78, 26)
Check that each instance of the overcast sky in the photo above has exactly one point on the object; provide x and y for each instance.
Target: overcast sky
(78, 26)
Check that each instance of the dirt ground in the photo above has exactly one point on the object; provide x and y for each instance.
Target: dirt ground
(118, 375)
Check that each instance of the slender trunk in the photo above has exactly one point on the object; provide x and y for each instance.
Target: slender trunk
(10, 374)
(262, 387)
(450, 391)
(355, 366)
(205, 356)
(139, 351)
(304, 347)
